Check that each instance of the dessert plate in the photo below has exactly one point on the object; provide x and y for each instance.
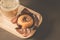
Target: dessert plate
(6, 24)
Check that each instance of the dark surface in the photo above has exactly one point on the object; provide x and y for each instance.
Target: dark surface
(50, 27)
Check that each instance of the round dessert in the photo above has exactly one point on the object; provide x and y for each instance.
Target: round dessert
(25, 20)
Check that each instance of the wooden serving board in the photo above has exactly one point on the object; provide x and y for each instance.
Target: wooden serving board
(6, 24)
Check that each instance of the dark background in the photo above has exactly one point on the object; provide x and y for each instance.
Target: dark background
(50, 27)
